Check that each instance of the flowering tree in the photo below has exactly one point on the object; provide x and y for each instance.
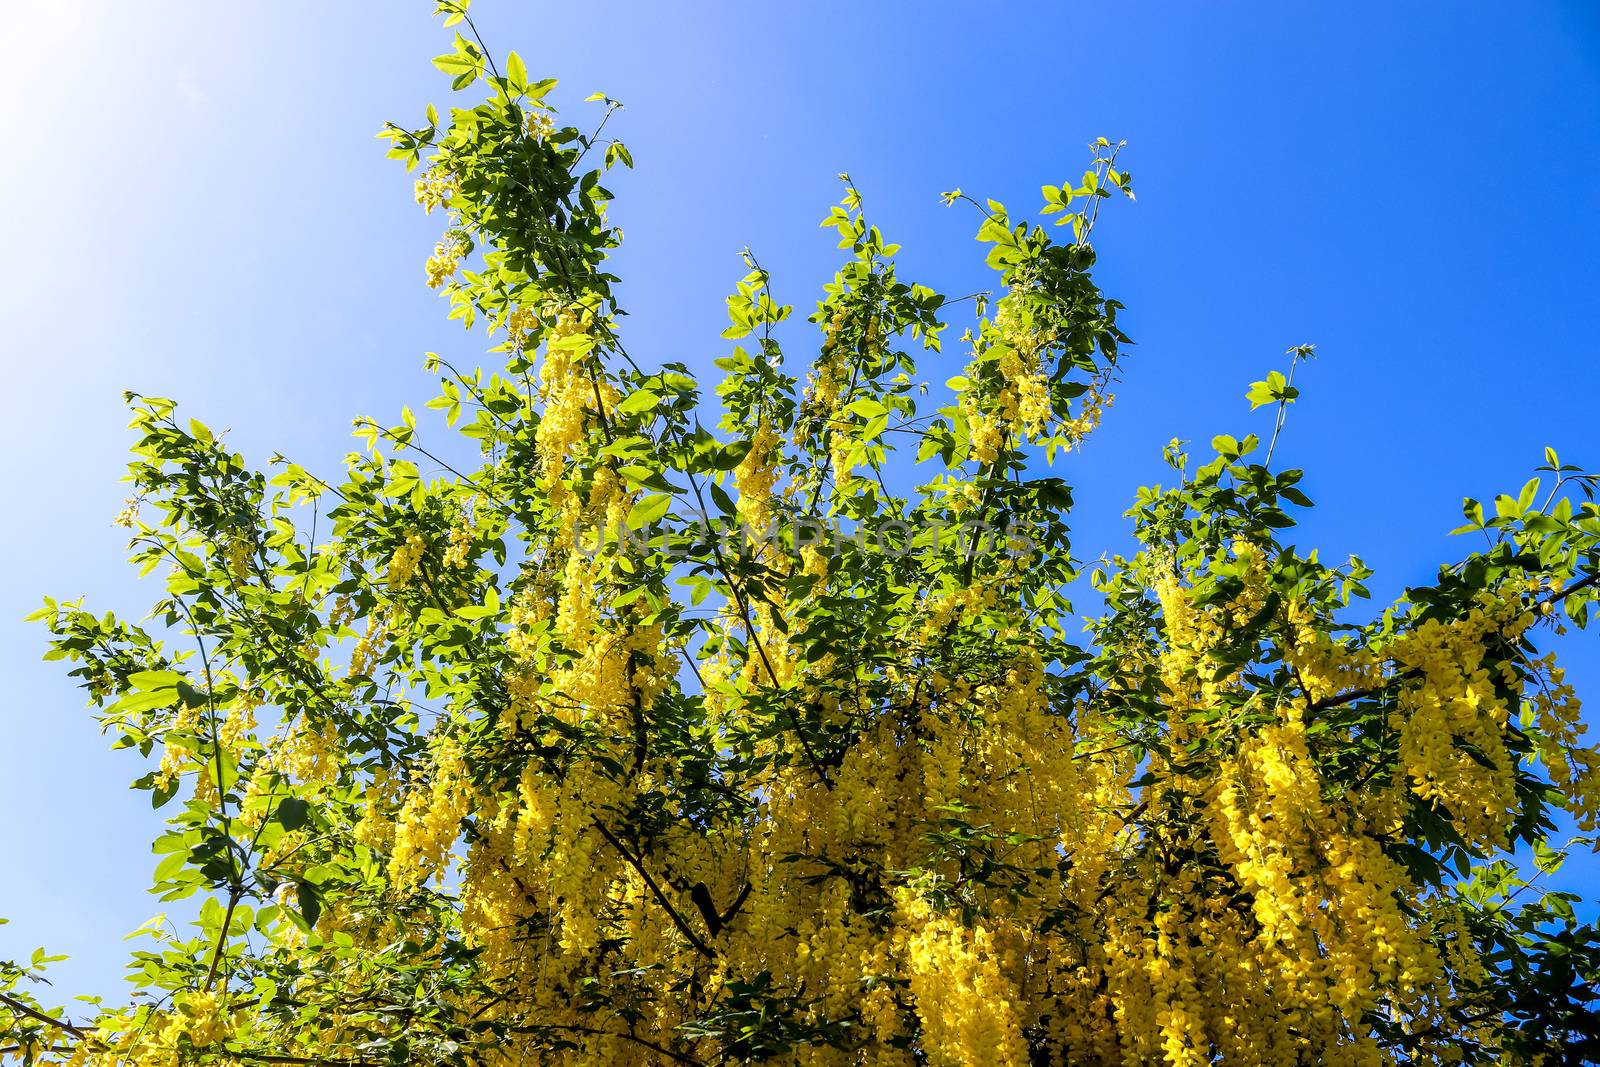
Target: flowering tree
(637, 742)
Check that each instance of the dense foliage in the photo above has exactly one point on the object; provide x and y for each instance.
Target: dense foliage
(645, 742)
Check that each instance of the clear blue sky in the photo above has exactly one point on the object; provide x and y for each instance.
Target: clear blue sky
(194, 206)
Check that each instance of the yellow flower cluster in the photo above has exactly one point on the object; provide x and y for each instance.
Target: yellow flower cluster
(178, 751)
(1091, 409)
(429, 820)
(376, 827)
(1023, 409)
(540, 124)
(969, 1012)
(458, 550)
(239, 555)
(403, 564)
(343, 611)
(436, 188)
(755, 476)
(364, 656)
(521, 323)
(1024, 400)
(309, 753)
(987, 433)
(444, 262)
(1555, 710)
(198, 1021)
(830, 374)
(240, 723)
(569, 394)
(1451, 722)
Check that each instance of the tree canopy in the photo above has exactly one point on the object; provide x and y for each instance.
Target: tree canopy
(634, 740)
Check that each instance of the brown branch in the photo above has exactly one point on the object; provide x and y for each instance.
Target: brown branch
(310, 1061)
(222, 937)
(655, 890)
(1352, 695)
(34, 1013)
(716, 921)
(594, 1031)
(735, 588)
(1583, 583)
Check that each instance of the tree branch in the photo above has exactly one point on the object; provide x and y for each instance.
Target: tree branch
(39, 1016)
(655, 890)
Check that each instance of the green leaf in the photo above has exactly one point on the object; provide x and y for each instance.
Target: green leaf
(647, 511)
(516, 73)
(638, 402)
(867, 407)
(1276, 389)
(464, 65)
(309, 903)
(292, 812)
(1260, 394)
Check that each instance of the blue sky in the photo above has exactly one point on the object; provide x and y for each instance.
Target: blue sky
(195, 207)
